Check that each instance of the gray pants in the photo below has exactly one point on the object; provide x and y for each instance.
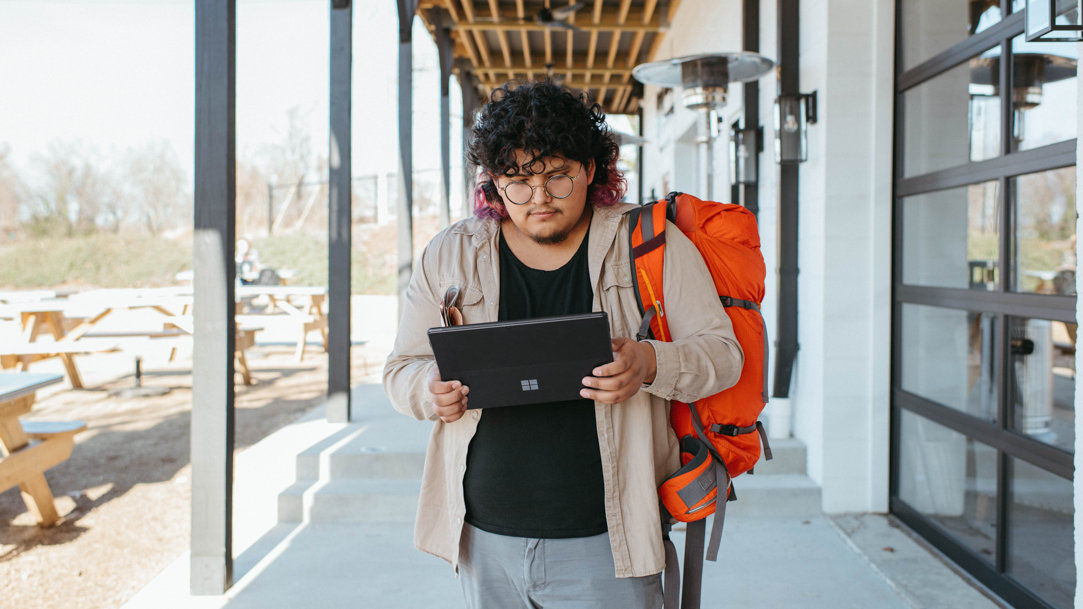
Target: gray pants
(502, 572)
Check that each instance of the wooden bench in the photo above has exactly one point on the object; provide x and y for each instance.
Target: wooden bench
(22, 354)
(27, 449)
(245, 339)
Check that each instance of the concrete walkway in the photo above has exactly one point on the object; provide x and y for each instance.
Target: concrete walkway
(807, 562)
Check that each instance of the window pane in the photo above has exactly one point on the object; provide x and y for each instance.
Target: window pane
(952, 480)
(1045, 236)
(952, 119)
(947, 357)
(1042, 380)
(951, 238)
(1040, 553)
(932, 26)
(1044, 95)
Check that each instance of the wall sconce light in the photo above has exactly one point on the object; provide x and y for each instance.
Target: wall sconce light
(1054, 21)
(793, 114)
(744, 153)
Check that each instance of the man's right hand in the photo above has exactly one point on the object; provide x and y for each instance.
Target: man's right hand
(448, 397)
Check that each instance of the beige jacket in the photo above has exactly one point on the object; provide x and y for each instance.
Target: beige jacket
(638, 447)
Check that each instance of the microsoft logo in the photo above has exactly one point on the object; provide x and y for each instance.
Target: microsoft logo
(529, 385)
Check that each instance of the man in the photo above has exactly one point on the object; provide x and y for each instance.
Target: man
(554, 505)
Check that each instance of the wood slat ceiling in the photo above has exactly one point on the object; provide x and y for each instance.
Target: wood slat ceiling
(502, 40)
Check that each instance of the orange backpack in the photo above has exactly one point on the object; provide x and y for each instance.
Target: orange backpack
(719, 435)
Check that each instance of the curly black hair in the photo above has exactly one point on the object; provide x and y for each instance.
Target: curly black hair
(544, 119)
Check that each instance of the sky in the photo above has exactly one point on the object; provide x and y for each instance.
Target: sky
(117, 74)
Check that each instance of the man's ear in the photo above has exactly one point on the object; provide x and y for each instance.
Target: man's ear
(590, 171)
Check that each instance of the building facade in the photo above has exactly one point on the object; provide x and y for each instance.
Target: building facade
(936, 248)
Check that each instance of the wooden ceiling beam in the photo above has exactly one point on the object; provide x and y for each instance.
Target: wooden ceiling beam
(633, 51)
(648, 9)
(605, 26)
(501, 36)
(578, 68)
(617, 74)
(635, 21)
(468, 9)
(571, 82)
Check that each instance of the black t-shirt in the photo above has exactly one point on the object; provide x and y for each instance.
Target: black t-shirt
(536, 471)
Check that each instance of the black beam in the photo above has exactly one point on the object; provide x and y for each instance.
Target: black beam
(444, 47)
(750, 193)
(407, 8)
(339, 217)
(470, 103)
(213, 308)
(788, 83)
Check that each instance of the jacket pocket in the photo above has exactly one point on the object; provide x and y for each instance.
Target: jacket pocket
(470, 301)
(618, 299)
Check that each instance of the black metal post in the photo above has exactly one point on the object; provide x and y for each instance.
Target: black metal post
(788, 83)
(470, 104)
(750, 195)
(339, 218)
(215, 272)
(444, 47)
(407, 8)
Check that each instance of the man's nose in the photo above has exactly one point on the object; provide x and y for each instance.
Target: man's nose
(540, 194)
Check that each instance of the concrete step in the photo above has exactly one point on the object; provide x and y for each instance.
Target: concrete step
(367, 462)
(349, 500)
(391, 446)
(775, 495)
(789, 457)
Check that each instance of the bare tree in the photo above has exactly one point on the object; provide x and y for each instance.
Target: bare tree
(10, 194)
(73, 194)
(253, 212)
(289, 166)
(155, 188)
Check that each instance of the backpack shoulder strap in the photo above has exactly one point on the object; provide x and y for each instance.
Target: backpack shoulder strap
(647, 240)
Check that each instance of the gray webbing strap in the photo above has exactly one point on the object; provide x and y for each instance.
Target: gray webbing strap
(722, 482)
(763, 441)
(671, 582)
(646, 222)
(645, 325)
(693, 564)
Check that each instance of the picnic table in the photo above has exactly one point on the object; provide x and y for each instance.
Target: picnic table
(27, 448)
(303, 305)
(77, 326)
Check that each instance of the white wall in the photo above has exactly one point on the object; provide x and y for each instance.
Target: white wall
(842, 384)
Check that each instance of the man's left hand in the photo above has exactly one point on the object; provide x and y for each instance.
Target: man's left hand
(633, 365)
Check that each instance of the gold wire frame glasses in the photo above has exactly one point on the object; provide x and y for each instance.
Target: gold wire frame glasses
(558, 186)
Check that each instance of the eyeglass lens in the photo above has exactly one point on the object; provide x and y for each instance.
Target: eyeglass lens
(558, 187)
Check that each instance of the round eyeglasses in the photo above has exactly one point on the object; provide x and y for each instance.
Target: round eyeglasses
(558, 186)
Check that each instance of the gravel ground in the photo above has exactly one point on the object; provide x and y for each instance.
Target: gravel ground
(124, 493)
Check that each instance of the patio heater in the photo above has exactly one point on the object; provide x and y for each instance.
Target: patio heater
(1030, 71)
(704, 80)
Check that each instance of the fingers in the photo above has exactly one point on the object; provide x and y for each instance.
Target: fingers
(611, 389)
(448, 398)
(619, 380)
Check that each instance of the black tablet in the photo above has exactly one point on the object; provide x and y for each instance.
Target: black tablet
(529, 361)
